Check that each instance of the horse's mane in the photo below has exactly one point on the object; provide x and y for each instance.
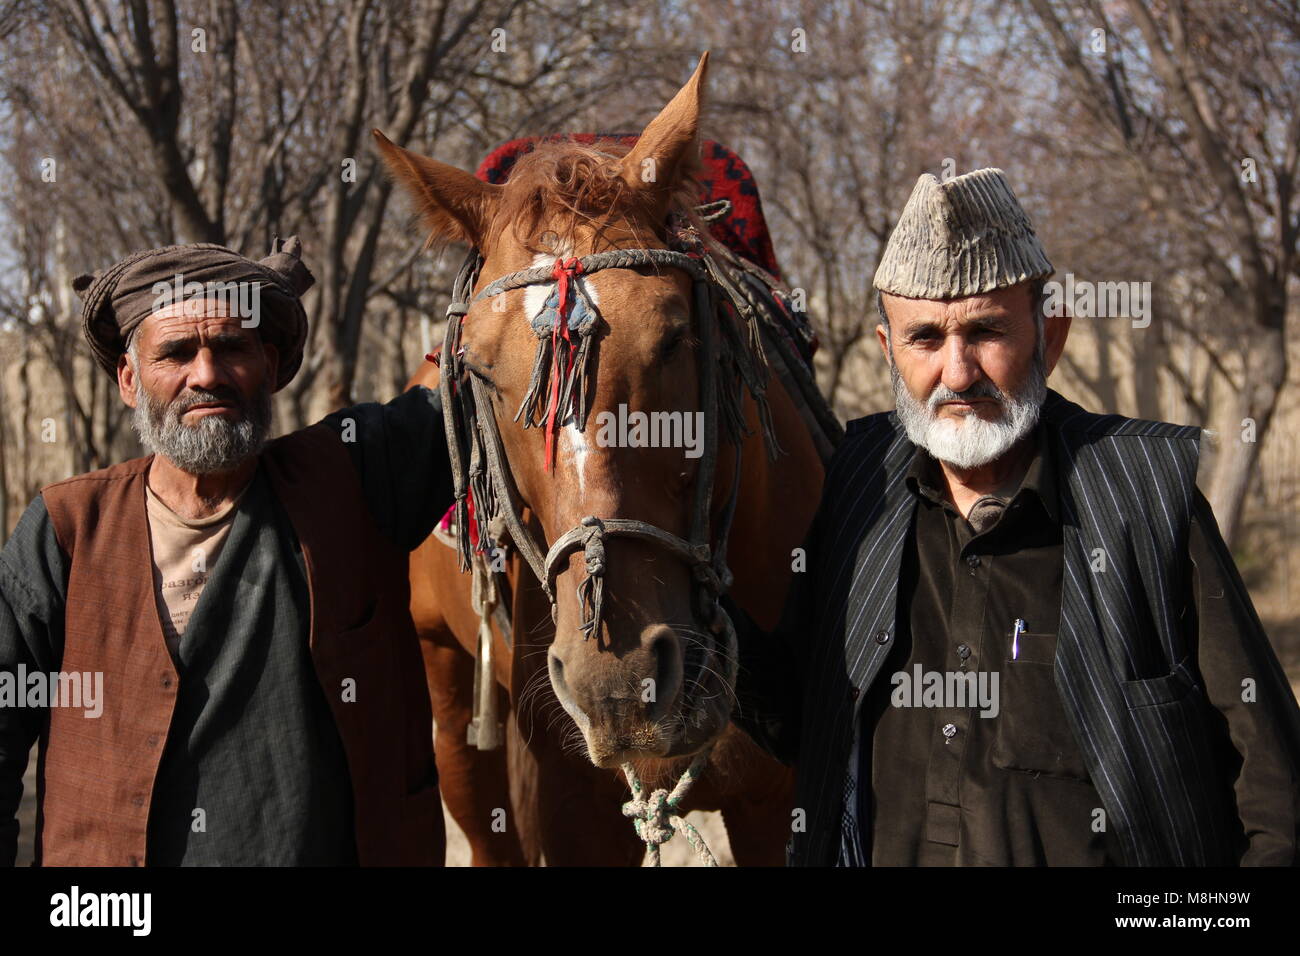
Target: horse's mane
(586, 182)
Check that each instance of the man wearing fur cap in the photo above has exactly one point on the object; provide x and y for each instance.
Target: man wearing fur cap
(235, 611)
(1021, 638)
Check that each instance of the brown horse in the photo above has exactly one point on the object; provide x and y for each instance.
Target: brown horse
(628, 663)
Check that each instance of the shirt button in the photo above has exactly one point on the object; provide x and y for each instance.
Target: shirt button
(138, 800)
(950, 730)
(882, 637)
(153, 740)
(853, 693)
(963, 651)
(166, 680)
(132, 861)
(973, 561)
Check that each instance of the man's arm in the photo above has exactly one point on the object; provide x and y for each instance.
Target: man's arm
(33, 584)
(400, 452)
(1232, 649)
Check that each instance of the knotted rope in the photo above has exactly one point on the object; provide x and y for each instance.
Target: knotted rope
(591, 592)
(656, 817)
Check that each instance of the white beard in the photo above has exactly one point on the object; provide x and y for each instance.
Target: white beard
(971, 441)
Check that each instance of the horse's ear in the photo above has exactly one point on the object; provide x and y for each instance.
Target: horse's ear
(452, 203)
(669, 145)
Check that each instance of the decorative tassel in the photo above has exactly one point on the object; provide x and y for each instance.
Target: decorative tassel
(577, 372)
(733, 418)
(462, 533)
(531, 407)
(582, 364)
(769, 428)
(482, 501)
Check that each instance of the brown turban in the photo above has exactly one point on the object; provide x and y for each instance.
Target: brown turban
(116, 300)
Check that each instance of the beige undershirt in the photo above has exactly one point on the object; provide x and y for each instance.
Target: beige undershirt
(184, 554)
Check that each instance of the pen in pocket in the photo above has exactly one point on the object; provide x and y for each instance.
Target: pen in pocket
(1016, 630)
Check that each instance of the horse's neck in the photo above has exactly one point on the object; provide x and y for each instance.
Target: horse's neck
(775, 504)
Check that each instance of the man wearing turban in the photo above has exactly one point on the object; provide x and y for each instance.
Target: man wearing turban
(1020, 639)
(235, 612)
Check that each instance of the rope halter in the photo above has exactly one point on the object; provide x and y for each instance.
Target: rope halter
(656, 817)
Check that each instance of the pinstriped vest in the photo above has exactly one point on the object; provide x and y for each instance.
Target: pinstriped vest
(1132, 698)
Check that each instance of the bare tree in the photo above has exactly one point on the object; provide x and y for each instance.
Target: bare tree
(1202, 103)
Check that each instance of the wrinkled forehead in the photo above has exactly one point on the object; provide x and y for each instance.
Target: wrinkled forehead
(1008, 305)
(195, 318)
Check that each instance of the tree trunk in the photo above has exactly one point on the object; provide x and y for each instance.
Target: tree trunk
(1238, 455)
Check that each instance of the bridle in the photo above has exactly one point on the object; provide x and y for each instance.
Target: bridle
(728, 357)
(726, 310)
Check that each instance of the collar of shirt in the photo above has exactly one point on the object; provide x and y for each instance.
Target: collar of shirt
(226, 514)
(925, 477)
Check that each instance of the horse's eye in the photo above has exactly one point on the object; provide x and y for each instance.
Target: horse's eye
(674, 340)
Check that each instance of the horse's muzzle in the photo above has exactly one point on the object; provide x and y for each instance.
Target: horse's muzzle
(664, 698)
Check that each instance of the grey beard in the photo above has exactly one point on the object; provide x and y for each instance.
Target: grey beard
(972, 442)
(212, 446)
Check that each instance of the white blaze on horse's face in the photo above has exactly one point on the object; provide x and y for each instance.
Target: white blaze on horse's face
(535, 296)
(576, 445)
(578, 450)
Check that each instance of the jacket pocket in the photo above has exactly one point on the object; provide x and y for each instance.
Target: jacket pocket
(1169, 689)
(1033, 734)
(1172, 720)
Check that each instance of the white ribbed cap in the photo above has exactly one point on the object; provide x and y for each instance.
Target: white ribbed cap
(959, 238)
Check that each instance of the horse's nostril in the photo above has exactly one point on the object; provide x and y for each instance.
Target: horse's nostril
(556, 667)
(661, 690)
(563, 694)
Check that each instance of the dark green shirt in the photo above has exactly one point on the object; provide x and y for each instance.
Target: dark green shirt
(254, 772)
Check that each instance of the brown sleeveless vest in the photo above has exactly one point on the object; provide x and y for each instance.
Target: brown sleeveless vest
(96, 776)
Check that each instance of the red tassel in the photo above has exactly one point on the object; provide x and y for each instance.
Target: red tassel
(562, 273)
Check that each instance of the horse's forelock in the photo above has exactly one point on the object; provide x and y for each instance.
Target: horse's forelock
(565, 185)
